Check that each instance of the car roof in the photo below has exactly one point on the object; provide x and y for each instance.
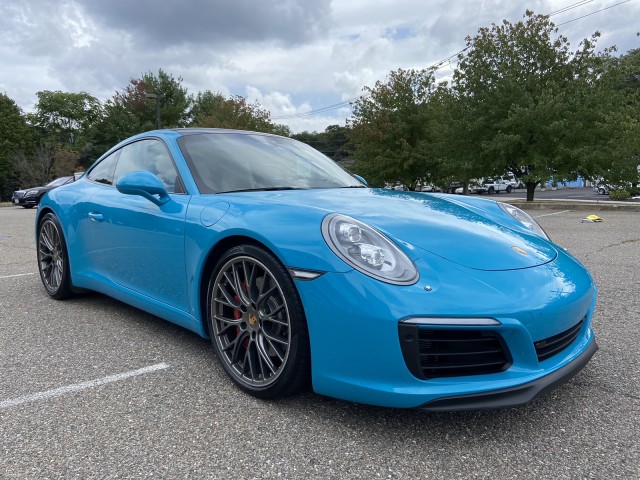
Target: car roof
(200, 131)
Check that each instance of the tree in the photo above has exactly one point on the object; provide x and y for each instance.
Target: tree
(133, 111)
(454, 152)
(621, 165)
(33, 169)
(530, 99)
(15, 136)
(66, 161)
(214, 110)
(65, 118)
(388, 126)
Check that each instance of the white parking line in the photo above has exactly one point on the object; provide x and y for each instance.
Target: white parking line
(549, 214)
(56, 392)
(17, 275)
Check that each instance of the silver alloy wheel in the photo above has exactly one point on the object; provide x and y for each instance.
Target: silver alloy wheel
(51, 256)
(250, 321)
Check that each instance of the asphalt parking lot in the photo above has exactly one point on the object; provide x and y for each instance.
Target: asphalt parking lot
(131, 396)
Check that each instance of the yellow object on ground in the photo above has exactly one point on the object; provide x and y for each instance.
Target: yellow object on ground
(593, 218)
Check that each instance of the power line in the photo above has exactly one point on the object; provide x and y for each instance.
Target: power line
(569, 7)
(593, 13)
(319, 110)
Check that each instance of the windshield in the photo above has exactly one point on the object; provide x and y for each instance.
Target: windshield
(238, 161)
(58, 181)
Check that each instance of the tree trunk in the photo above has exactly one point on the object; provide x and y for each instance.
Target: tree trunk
(531, 187)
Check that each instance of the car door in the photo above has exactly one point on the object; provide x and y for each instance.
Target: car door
(135, 243)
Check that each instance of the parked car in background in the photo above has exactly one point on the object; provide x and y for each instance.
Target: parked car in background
(476, 185)
(30, 197)
(601, 189)
(511, 179)
(453, 186)
(497, 185)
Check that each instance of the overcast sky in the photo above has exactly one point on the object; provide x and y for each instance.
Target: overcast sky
(292, 56)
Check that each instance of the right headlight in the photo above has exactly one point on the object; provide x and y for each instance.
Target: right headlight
(367, 250)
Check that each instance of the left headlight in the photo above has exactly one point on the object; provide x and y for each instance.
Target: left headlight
(367, 250)
(31, 193)
(524, 218)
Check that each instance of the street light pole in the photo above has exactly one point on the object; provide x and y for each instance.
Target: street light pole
(157, 99)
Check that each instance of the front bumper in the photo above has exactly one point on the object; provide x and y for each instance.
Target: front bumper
(357, 353)
(514, 396)
(25, 201)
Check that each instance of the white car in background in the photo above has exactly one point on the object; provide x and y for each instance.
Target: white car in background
(497, 185)
(511, 179)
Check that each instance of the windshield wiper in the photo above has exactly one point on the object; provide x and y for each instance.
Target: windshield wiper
(355, 186)
(262, 189)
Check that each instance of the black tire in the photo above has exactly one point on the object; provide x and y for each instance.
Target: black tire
(491, 190)
(53, 260)
(257, 324)
(28, 206)
(509, 189)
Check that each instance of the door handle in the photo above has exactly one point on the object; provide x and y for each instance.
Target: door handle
(96, 216)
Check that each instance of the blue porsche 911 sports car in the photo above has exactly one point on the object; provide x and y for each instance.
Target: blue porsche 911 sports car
(300, 274)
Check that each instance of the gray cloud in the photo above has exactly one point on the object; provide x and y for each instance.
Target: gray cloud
(290, 55)
(170, 22)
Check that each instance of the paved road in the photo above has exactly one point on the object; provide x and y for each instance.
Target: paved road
(183, 419)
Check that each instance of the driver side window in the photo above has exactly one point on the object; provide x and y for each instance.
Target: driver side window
(150, 156)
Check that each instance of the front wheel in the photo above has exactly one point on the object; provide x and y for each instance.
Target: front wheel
(53, 260)
(491, 190)
(257, 323)
(509, 189)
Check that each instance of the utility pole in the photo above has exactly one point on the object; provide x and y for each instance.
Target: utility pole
(157, 99)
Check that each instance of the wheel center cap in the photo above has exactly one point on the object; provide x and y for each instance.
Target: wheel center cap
(253, 320)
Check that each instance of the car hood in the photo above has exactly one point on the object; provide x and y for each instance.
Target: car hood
(478, 235)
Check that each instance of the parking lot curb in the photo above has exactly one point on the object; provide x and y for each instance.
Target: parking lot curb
(574, 205)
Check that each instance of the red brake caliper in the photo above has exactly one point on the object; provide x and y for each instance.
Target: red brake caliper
(237, 314)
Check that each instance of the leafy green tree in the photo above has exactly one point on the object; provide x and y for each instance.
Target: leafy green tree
(622, 80)
(133, 110)
(529, 100)
(454, 153)
(15, 136)
(65, 118)
(390, 126)
(66, 161)
(214, 110)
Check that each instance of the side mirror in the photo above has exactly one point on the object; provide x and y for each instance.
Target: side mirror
(359, 178)
(144, 184)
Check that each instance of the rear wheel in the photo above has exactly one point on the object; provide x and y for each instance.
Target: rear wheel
(53, 260)
(509, 189)
(491, 190)
(257, 323)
